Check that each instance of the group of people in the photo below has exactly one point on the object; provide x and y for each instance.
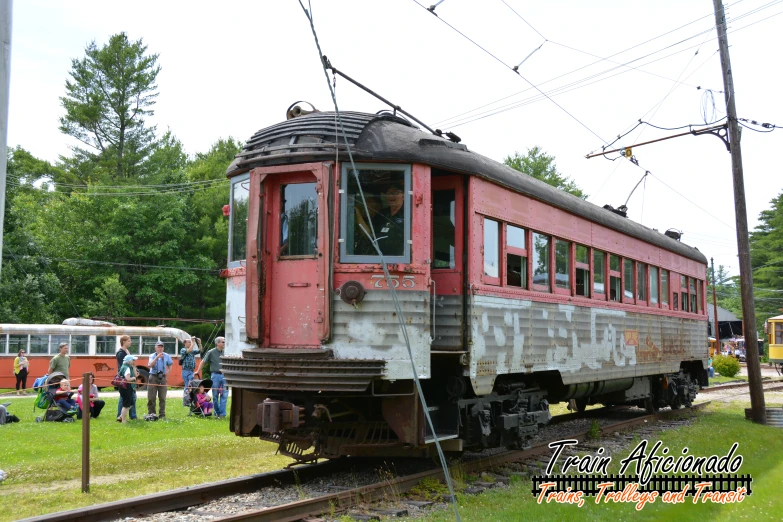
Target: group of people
(159, 365)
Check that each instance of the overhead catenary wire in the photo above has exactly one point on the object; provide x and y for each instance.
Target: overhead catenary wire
(373, 238)
(517, 73)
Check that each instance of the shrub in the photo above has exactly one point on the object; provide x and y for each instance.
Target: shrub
(726, 366)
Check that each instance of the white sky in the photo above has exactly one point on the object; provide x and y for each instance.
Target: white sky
(230, 68)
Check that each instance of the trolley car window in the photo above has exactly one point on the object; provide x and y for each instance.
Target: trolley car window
(599, 272)
(675, 301)
(653, 285)
(692, 286)
(3, 343)
(80, 344)
(239, 204)
(105, 344)
(684, 292)
(699, 292)
(491, 248)
(443, 228)
(641, 282)
(40, 344)
(778, 333)
(299, 218)
(664, 287)
(540, 260)
(562, 264)
(16, 343)
(516, 257)
(628, 278)
(615, 284)
(582, 271)
(387, 193)
(55, 340)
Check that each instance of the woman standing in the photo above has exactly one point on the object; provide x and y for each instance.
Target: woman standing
(128, 372)
(21, 364)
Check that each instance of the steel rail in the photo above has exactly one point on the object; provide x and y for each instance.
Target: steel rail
(775, 386)
(195, 495)
(345, 499)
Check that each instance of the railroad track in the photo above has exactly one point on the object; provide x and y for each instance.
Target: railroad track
(183, 498)
(768, 386)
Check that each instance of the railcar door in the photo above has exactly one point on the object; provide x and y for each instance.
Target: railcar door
(447, 261)
(295, 301)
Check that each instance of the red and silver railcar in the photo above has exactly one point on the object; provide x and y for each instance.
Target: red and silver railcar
(514, 295)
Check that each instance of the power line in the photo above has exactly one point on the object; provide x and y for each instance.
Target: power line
(109, 263)
(515, 71)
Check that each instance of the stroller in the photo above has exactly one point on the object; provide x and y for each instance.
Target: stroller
(53, 412)
(192, 391)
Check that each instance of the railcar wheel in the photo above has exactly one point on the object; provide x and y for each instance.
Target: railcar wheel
(581, 405)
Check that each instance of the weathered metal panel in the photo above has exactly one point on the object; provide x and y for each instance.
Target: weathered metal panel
(448, 323)
(372, 331)
(583, 343)
(236, 317)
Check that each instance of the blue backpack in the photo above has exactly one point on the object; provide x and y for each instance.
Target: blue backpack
(40, 382)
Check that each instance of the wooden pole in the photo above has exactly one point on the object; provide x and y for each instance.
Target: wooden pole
(741, 215)
(86, 411)
(715, 328)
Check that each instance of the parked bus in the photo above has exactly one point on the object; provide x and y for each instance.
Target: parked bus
(92, 349)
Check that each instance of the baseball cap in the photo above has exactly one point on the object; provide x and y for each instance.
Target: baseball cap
(129, 358)
(159, 343)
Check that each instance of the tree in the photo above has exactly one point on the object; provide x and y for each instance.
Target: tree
(110, 92)
(766, 254)
(538, 164)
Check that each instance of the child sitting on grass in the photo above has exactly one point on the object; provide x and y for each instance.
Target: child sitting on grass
(203, 400)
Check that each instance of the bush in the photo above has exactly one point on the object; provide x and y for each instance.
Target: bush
(726, 366)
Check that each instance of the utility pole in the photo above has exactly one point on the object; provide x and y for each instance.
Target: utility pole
(6, 8)
(741, 215)
(715, 329)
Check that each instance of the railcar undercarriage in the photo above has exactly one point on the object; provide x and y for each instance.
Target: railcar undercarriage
(387, 419)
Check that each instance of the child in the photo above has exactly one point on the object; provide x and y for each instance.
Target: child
(203, 401)
(62, 396)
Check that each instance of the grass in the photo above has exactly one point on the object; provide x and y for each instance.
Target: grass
(43, 461)
(719, 379)
(713, 432)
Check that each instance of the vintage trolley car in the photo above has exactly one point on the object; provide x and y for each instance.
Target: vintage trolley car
(515, 295)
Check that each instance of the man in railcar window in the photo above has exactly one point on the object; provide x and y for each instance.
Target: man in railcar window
(389, 224)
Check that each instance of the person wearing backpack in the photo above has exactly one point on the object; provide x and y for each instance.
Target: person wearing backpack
(122, 352)
(128, 391)
(187, 359)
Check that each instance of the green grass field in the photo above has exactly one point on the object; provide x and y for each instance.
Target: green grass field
(713, 432)
(43, 460)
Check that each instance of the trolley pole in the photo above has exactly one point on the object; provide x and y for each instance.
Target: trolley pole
(715, 329)
(86, 413)
(741, 215)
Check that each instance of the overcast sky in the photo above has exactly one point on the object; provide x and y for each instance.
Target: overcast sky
(230, 68)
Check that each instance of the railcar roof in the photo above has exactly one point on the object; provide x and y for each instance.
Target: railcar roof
(385, 137)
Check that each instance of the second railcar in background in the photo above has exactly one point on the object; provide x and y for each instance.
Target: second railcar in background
(514, 294)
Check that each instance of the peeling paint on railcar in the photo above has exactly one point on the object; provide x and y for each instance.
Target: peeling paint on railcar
(582, 343)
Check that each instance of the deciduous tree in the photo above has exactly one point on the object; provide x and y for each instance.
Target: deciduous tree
(538, 164)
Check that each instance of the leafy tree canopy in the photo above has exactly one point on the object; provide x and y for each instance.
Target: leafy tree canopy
(540, 165)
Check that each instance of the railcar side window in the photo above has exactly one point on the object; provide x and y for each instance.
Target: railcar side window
(541, 262)
(55, 340)
(443, 229)
(240, 192)
(664, 287)
(80, 344)
(582, 271)
(299, 219)
(684, 292)
(641, 281)
(491, 249)
(562, 264)
(692, 287)
(3, 343)
(40, 344)
(16, 343)
(628, 279)
(387, 193)
(699, 293)
(778, 333)
(516, 257)
(599, 272)
(653, 284)
(105, 344)
(675, 302)
(615, 283)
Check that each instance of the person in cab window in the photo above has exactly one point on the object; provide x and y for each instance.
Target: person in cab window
(389, 224)
(362, 244)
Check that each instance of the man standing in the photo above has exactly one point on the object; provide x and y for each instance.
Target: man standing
(125, 343)
(159, 363)
(61, 362)
(188, 357)
(219, 388)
